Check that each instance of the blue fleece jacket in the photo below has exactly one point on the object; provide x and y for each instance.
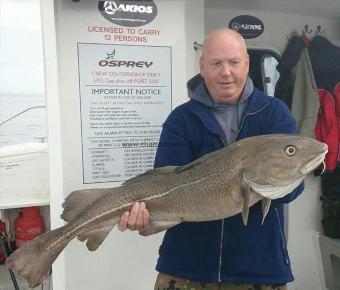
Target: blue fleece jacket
(225, 250)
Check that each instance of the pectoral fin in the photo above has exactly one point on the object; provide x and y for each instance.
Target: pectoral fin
(245, 205)
(265, 208)
(157, 226)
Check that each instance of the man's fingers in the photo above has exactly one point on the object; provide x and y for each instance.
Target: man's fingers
(146, 218)
(133, 216)
(139, 219)
(136, 219)
(122, 224)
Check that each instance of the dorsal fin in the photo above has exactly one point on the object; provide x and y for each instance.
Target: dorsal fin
(175, 169)
(207, 157)
(186, 167)
(156, 171)
(78, 200)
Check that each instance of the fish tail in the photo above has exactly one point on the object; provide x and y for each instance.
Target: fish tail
(33, 260)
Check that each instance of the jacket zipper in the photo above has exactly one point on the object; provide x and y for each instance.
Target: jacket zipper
(246, 115)
(221, 248)
(222, 224)
(222, 231)
(283, 239)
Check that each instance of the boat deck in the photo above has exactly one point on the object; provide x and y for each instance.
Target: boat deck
(7, 284)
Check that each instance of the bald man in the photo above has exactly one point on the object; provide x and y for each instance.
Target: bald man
(224, 107)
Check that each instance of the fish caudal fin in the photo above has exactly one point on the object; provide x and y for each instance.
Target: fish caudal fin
(33, 260)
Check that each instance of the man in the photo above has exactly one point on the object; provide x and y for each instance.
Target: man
(224, 107)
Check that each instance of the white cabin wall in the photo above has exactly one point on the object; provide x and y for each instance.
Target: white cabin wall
(304, 218)
(124, 261)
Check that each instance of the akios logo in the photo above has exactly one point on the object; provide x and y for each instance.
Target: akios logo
(128, 13)
(236, 26)
(111, 7)
(247, 25)
(109, 61)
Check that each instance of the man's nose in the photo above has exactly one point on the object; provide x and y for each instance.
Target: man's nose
(225, 69)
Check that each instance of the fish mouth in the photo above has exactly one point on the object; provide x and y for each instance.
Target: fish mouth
(313, 163)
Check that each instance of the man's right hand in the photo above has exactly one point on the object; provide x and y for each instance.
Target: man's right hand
(136, 219)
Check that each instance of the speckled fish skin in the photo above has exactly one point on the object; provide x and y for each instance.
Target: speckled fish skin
(218, 185)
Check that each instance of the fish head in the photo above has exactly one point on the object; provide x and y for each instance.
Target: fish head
(278, 163)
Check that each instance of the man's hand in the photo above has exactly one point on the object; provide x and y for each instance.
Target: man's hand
(136, 219)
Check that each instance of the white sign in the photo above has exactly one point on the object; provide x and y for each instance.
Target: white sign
(125, 96)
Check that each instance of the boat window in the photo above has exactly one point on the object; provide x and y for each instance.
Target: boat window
(22, 91)
(270, 74)
(263, 71)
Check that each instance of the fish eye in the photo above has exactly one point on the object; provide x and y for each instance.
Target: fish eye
(290, 150)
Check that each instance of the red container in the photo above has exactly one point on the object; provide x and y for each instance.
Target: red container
(2, 254)
(28, 225)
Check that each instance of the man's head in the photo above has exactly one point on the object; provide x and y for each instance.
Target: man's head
(224, 65)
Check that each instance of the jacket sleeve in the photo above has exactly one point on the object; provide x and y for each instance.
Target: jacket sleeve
(282, 121)
(174, 147)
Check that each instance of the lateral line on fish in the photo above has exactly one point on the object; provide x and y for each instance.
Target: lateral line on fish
(125, 205)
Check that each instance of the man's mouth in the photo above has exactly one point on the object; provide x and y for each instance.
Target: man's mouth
(225, 84)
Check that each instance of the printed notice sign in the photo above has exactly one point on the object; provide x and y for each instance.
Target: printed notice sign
(125, 96)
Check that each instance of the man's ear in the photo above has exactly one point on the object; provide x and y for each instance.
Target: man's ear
(248, 61)
(248, 58)
(202, 66)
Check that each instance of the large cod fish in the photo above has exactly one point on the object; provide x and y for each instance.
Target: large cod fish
(216, 186)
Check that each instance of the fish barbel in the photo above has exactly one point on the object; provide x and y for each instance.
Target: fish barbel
(218, 185)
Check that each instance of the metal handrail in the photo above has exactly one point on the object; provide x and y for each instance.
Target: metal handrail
(18, 114)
